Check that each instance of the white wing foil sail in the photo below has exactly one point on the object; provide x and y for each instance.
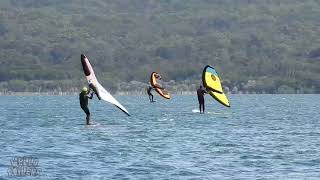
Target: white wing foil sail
(105, 95)
(101, 91)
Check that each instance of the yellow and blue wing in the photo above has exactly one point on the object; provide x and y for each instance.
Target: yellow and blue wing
(211, 79)
(212, 83)
(221, 98)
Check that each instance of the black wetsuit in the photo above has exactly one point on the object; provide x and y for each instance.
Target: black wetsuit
(149, 93)
(83, 98)
(200, 93)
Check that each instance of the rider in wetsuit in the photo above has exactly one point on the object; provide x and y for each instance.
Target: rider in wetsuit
(200, 93)
(150, 94)
(83, 98)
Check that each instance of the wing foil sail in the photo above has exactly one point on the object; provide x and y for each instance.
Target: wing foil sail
(100, 90)
(105, 95)
(211, 79)
(212, 83)
(158, 88)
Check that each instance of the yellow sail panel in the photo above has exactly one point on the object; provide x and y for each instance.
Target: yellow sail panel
(221, 98)
(211, 79)
(212, 83)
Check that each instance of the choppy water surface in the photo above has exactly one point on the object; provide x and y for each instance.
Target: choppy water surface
(261, 136)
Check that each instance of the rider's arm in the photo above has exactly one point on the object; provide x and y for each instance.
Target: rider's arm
(205, 91)
(91, 94)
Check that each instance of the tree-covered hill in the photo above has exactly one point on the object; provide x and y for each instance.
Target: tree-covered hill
(270, 46)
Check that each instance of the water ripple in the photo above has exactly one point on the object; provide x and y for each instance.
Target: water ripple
(260, 137)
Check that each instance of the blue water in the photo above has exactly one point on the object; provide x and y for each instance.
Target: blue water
(260, 137)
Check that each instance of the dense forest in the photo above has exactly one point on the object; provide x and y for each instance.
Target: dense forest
(257, 46)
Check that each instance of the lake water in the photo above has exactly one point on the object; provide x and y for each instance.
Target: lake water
(260, 137)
